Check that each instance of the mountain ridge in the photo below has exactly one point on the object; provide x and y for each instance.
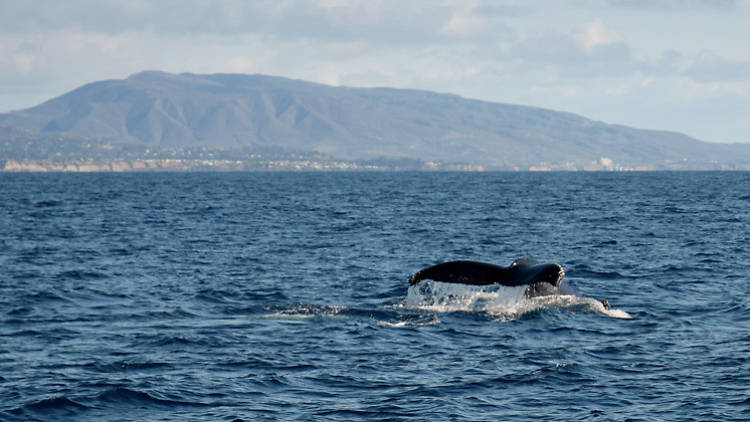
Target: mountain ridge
(234, 111)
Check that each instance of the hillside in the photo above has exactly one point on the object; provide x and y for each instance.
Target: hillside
(167, 111)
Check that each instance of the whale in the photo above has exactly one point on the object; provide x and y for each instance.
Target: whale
(541, 279)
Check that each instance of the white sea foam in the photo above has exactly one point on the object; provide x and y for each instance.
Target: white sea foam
(505, 303)
(409, 323)
(302, 311)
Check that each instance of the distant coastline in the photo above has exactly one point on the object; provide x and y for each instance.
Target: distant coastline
(214, 165)
(197, 165)
(156, 121)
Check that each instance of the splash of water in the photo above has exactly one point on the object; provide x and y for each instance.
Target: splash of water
(505, 303)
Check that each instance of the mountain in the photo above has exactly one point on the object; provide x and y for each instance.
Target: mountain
(230, 111)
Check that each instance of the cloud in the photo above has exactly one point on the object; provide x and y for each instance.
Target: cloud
(24, 62)
(710, 67)
(706, 67)
(375, 20)
(463, 26)
(677, 5)
(596, 34)
(592, 49)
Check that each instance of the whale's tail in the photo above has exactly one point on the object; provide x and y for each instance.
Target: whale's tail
(462, 272)
(519, 273)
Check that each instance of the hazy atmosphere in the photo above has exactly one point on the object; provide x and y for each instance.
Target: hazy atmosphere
(679, 65)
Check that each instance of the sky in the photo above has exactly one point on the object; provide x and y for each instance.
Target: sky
(680, 65)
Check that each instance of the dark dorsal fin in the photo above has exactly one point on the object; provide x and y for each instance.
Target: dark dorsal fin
(524, 262)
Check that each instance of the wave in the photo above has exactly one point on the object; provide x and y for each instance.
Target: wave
(46, 203)
(121, 395)
(54, 404)
(50, 408)
(81, 275)
(64, 408)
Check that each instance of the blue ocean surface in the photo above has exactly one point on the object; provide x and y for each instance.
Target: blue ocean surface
(285, 296)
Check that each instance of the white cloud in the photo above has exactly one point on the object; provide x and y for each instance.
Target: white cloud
(24, 63)
(238, 64)
(596, 34)
(463, 26)
(591, 52)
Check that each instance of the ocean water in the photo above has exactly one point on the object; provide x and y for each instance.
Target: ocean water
(285, 296)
